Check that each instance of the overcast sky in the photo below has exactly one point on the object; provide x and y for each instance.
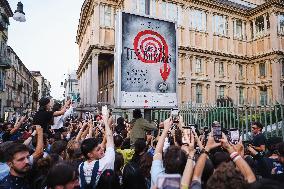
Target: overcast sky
(46, 41)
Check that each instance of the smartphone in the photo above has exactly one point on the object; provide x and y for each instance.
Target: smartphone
(175, 116)
(105, 111)
(171, 181)
(217, 131)
(161, 131)
(87, 116)
(234, 136)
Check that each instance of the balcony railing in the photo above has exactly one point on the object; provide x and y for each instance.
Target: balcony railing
(5, 62)
(4, 21)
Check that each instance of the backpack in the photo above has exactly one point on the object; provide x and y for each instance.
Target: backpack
(92, 184)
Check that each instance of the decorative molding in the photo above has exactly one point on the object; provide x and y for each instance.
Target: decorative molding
(227, 55)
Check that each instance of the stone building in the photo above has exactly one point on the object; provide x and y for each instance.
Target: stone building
(71, 86)
(35, 96)
(19, 85)
(44, 86)
(228, 48)
(5, 63)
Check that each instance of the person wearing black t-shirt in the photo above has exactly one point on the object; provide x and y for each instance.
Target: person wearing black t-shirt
(259, 140)
(44, 115)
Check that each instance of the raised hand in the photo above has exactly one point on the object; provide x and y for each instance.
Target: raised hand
(211, 144)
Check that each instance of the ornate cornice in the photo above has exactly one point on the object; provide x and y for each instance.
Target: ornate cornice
(86, 9)
(219, 6)
(265, 6)
(89, 51)
(230, 56)
(7, 8)
(83, 16)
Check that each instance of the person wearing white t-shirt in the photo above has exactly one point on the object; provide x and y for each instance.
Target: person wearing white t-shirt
(97, 159)
(58, 121)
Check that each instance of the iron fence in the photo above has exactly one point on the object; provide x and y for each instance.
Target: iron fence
(231, 116)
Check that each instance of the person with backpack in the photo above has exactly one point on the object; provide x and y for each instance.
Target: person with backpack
(98, 160)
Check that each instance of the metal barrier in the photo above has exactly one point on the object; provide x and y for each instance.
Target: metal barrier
(231, 116)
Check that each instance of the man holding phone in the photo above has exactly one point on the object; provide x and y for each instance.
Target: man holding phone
(140, 126)
(258, 141)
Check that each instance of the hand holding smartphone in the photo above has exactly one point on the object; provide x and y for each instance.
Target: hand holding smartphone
(234, 136)
(175, 115)
(217, 131)
(171, 181)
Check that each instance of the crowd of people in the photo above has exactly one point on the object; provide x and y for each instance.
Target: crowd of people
(55, 150)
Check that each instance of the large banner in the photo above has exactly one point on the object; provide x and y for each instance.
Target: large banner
(145, 66)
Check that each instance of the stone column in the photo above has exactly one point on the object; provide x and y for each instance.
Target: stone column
(187, 74)
(248, 31)
(273, 32)
(234, 73)
(265, 24)
(276, 76)
(254, 29)
(95, 78)
(83, 87)
(243, 31)
(186, 36)
(96, 27)
(80, 87)
(193, 93)
(230, 43)
(90, 82)
(86, 86)
(210, 30)
(211, 65)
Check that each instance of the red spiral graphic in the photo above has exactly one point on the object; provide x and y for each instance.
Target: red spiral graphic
(151, 47)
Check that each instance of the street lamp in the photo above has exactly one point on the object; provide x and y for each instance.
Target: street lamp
(19, 14)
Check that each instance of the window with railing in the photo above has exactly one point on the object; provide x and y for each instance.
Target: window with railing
(259, 26)
(105, 16)
(198, 65)
(262, 71)
(241, 71)
(220, 26)
(198, 93)
(283, 91)
(197, 19)
(141, 6)
(221, 69)
(171, 11)
(241, 95)
(282, 66)
(263, 96)
(221, 91)
(281, 23)
(2, 79)
(238, 29)
(153, 7)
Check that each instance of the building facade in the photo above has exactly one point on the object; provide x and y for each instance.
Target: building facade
(226, 48)
(35, 96)
(19, 85)
(44, 86)
(71, 87)
(5, 63)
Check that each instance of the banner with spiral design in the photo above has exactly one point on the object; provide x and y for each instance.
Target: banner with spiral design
(147, 63)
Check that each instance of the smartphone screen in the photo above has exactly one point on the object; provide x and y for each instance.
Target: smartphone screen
(104, 110)
(175, 117)
(171, 181)
(234, 136)
(217, 132)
